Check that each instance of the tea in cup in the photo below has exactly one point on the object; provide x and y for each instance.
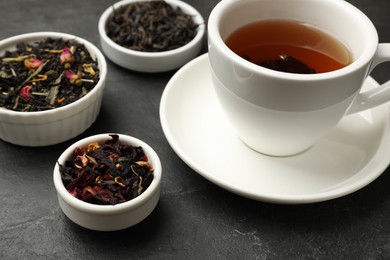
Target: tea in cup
(286, 72)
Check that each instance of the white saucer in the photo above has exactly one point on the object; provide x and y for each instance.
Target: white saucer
(354, 154)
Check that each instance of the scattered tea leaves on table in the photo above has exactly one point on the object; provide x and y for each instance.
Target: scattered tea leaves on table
(47, 74)
(150, 26)
(108, 173)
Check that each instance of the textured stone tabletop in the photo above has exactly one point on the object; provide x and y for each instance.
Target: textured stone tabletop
(195, 219)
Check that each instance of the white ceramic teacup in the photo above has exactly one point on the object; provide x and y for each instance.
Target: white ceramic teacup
(280, 113)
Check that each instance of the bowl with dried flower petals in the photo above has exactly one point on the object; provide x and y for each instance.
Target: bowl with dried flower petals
(151, 36)
(108, 182)
(51, 87)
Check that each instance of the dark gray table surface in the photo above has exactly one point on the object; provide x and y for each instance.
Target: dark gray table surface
(194, 219)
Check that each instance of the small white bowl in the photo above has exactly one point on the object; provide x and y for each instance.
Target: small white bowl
(57, 125)
(152, 61)
(109, 217)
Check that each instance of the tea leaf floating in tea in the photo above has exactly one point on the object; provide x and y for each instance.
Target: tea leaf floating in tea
(150, 26)
(46, 74)
(287, 63)
(108, 173)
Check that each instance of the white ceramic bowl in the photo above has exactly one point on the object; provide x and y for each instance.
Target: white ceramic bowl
(152, 61)
(57, 125)
(109, 217)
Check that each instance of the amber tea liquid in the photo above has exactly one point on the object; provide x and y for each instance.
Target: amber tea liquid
(289, 46)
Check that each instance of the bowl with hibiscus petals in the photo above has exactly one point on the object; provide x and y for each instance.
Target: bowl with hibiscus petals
(51, 87)
(108, 182)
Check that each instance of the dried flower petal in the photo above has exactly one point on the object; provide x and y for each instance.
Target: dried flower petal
(40, 77)
(144, 164)
(74, 78)
(53, 51)
(119, 181)
(32, 63)
(25, 93)
(74, 192)
(60, 100)
(66, 56)
(87, 193)
(89, 69)
(92, 147)
(79, 150)
(81, 161)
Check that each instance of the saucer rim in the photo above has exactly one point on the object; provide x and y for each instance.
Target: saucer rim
(363, 181)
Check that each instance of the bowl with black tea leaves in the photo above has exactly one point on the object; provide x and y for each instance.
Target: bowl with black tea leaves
(51, 87)
(151, 36)
(108, 182)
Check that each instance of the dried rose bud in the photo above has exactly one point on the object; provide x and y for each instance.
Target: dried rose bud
(74, 78)
(66, 56)
(25, 93)
(32, 63)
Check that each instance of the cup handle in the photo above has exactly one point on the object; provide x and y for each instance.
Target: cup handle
(378, 95)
